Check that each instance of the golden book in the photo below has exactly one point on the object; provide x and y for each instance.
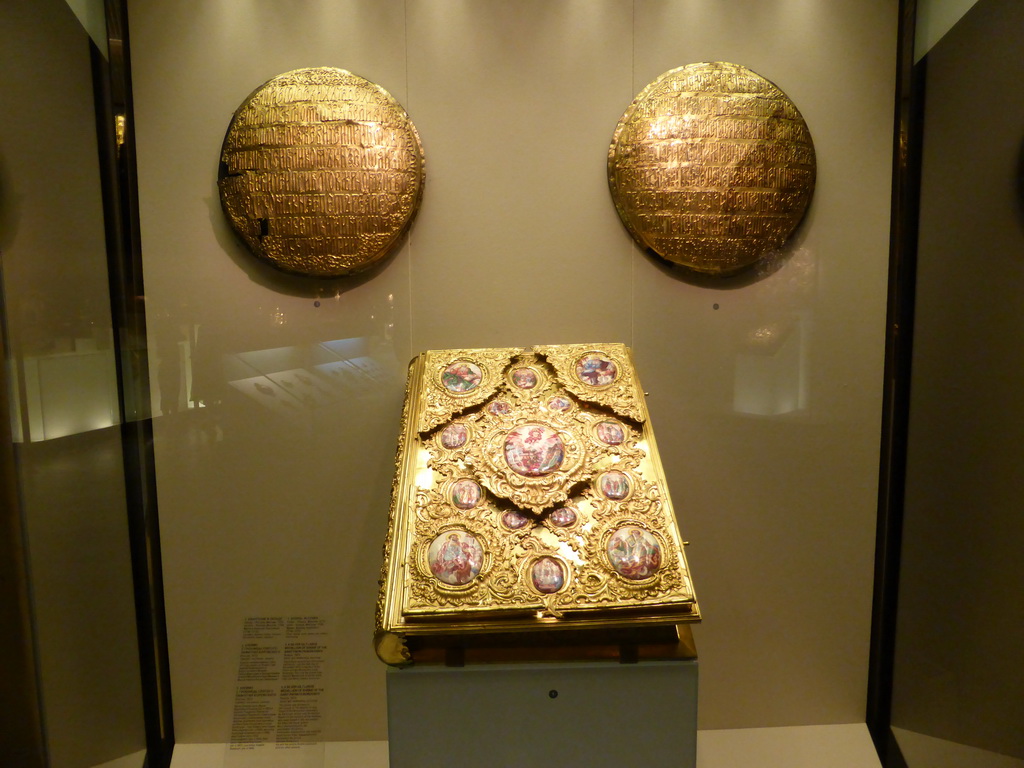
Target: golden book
(529, 502)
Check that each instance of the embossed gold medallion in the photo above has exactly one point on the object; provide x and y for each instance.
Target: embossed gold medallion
(321, 172)
(528, 496)
(711, 167)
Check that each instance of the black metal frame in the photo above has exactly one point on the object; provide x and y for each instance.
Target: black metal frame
(113, 91)
(906, 189)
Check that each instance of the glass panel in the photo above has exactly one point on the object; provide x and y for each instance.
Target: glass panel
(769, 392)
(63, 386)
(958, 679)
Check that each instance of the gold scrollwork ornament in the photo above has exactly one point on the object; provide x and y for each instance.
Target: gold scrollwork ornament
(461, 379)
(598, 373)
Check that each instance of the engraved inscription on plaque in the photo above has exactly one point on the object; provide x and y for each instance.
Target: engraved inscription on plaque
(321, 172)
(712, 167)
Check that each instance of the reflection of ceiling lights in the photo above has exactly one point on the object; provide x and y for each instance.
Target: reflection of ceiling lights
(292, 379)
(68, 393)
(770, 371)
(768, 338)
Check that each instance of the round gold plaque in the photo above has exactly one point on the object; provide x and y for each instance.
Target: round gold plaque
(711, 167)
(321, 172)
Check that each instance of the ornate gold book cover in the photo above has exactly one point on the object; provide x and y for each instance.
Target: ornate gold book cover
(528, 495)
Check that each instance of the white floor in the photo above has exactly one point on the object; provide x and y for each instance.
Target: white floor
(929, 752)
(806, 746)
(834, 746)
(134, 760)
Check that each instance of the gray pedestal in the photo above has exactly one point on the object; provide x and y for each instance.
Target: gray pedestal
(569, 715)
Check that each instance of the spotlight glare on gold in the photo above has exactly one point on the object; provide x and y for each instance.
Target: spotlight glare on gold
(711, 167)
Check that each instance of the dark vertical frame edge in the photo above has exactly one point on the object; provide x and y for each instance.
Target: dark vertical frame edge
(907, 141)
(113, 93)
(22, 735)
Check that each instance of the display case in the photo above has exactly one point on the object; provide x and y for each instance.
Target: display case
(80, 594)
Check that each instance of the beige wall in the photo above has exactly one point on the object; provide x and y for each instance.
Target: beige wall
(771, 457)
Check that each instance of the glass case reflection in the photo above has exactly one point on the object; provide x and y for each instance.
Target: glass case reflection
(61, 379)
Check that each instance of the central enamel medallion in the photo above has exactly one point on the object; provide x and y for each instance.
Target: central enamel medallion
(533, 450)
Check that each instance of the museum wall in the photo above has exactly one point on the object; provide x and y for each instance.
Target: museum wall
(765, 390)
(958, 671)
(62, 378)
